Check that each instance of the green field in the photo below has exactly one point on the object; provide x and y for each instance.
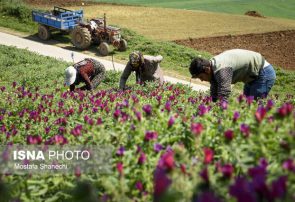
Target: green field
(274, 8)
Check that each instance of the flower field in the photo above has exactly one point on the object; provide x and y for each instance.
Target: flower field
(170, 143)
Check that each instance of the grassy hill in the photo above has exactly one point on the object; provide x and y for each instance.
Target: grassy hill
(274, 8)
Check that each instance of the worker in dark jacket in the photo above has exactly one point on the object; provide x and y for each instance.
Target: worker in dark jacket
(88, 71)
(146, 68)
(234, 66)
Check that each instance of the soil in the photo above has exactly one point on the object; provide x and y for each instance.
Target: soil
(254, 14)
(277, 47)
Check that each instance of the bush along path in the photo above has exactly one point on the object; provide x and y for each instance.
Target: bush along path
(170, 143)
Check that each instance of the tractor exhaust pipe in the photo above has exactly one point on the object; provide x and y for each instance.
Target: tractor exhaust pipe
(105, 22)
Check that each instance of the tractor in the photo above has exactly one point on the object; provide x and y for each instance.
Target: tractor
(96, 31)
(83, 34)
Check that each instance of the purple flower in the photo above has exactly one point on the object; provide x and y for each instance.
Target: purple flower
(142, 158)
(57, 139)
(157, 147)
(2, 88)
(138, 115)
(204, 175)
(117, 113)
(171, 121)
(34, 139)
(168, 106)
(229, 134)
(135, 99)
(147, 109)
(245, 129)
(289, 165)
(242, 190)
(279, 187)
(47, 130)
(269, 105)
(227, 170)
(236, 116)
(139, 186)
(14, 84)
(150, 135)
(77, 131)
(223, 105)
(161, 183)
(207, 196)
(202, 110)
(120, 151)
(99, 121)
(138, 149)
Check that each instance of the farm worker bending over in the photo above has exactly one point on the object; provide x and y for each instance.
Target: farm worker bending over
(234, 66)
(89, 71)
(146, 68)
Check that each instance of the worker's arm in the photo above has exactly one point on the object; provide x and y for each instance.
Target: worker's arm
(84, 74)
(224, 79)
(213, 90)
(125, 75)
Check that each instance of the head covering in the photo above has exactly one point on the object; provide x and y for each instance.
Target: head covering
(70, 75)
(198, 66)
(136, 58)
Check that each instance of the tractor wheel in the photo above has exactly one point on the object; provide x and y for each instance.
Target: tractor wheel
(44, 32)
(123, 45)
(81, 37)
(104, 49)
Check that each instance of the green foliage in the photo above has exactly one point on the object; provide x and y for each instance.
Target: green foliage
(16, 14)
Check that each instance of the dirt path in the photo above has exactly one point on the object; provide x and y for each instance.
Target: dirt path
(277, 47)
(64, 54)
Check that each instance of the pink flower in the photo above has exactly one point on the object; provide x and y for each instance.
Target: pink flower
(78, 171)
(147, 109)
(117, 113)
(260, 114)
(171, 121)
(223, 105)
(196, 128)
(139, 186)
(150, 135)
(245, 129)
(120, 168)
(236, 116)
(208, 155)
(168, 106)
(229, 134)
(36, 139)
(77, 131)
(227, 170)
(285, 110)
(142, 158)
(166, 161)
